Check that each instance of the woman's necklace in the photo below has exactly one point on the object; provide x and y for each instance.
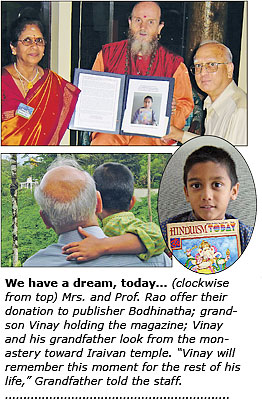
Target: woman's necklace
(29, 82)
(128, 58)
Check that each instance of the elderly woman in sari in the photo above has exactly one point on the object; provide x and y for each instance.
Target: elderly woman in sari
(37, 104)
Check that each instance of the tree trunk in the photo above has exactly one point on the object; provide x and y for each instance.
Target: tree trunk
(14, 194)
(149, 186)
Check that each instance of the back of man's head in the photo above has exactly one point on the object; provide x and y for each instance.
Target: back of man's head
(115, 183)
(66, 195)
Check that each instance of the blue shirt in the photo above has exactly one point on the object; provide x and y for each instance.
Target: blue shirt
(245, 231)
(52, 255)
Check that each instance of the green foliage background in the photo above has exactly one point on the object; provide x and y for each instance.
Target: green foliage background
(32, 233)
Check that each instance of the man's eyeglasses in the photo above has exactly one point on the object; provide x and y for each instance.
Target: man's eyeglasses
(30, 41)
(209, 67)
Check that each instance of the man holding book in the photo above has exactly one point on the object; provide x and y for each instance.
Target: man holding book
(141, 54)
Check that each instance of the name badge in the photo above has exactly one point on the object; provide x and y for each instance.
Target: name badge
(24, 110)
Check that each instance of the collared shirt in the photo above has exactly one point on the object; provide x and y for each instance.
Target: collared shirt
(52, 255)
(226, 116)
(149, 233)
(245, 231)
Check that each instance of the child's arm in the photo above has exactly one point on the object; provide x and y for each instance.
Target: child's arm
(91, 247)
(149, 234)
(154, 118)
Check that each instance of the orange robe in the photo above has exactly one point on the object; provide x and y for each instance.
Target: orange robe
(166, 64)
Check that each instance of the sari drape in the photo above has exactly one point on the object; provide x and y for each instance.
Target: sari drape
(53, 100)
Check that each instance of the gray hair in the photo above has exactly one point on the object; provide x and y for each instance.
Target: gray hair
(75, 211)
(228, 53)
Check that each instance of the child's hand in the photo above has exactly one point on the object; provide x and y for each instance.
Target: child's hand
(88, 249)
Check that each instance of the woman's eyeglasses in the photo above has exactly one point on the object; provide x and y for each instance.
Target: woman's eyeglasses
(30, 41)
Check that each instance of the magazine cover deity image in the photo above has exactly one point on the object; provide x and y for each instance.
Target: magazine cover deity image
(205, 247)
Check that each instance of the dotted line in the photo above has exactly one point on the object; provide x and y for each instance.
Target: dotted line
(121, 397)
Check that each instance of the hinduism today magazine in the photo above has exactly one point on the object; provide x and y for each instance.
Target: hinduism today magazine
(205, 246)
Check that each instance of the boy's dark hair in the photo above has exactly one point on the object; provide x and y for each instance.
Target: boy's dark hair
(115, 183)
(149, 97)
(211, 154)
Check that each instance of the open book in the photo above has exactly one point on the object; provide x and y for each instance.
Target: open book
(115, 103)
(205, 246)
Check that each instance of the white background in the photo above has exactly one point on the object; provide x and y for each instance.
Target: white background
(244, 387)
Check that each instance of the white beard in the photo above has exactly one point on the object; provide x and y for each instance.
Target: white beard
(142, 47)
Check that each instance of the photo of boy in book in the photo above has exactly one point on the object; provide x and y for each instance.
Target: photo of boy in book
(145, 115)
(115, 183)
(210, 183)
